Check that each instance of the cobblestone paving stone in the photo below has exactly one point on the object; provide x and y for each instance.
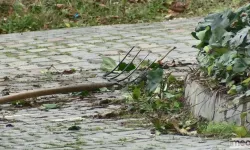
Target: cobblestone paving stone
(24, 55)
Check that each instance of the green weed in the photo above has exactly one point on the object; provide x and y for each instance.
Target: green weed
(219, 129)
(204, 7)
(48, 14)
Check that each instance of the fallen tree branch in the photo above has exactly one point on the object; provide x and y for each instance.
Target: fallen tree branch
(57, 90)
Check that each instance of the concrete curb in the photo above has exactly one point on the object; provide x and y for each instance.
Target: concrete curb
(212, 105)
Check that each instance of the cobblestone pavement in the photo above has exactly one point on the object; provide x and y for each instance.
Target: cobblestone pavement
(24, 56)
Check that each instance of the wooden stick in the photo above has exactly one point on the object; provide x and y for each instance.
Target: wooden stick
(58, 90)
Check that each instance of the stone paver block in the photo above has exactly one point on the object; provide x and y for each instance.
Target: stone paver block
(26, 48)
(30, 56)
(124, 40)
(165, 42)
(86, 65)
(37, 50)
(28, 67)
(184, 38)
(34, 60)
(94, 41)
(52, 53)
(14, 45)
(56, 47)
(55, 39)
(111, 38)
(8, 60)
(127, 35)
(84, 55)
(99, 49)
(64, 58)
(68, 49)
(45, 44)
(75, 44)
(17, 63)
(140, 37)
(86, 46)
(83, 39)
(148, 46)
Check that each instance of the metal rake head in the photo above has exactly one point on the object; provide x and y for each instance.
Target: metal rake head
(115, 76)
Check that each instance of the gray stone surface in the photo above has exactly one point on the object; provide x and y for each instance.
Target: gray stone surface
(25, 57)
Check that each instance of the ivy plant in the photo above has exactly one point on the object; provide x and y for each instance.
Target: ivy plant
(224, 48)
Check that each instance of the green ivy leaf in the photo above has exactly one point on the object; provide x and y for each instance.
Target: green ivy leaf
(239, 65)
(207, 49)
(232, 90)
(239, 37)
(248, 49)
(203, 35)
(227, 58)
(247, 60)
(247, 93)
(246, 81)
(229, 68)
(217, 36)
(230, 84)
(226, 38)
(108, 64)
(221, 51)
(154, 79)
(123, 65)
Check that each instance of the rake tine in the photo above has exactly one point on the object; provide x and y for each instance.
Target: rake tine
(168, 53)
(126, 66)
(134, 69)
(119, 63)
(144, 72)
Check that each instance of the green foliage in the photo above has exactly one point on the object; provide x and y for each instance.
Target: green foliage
(240, 131)
(23, 23)
(224, 48)
(147, 99)
(49, 14)
(21, 103)
(81, 94)
(154, 79)
(108, 64)
(136, 93)
(127, 67)
(219, 129)
(204, 7)
(225, 130)
(74, 128)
